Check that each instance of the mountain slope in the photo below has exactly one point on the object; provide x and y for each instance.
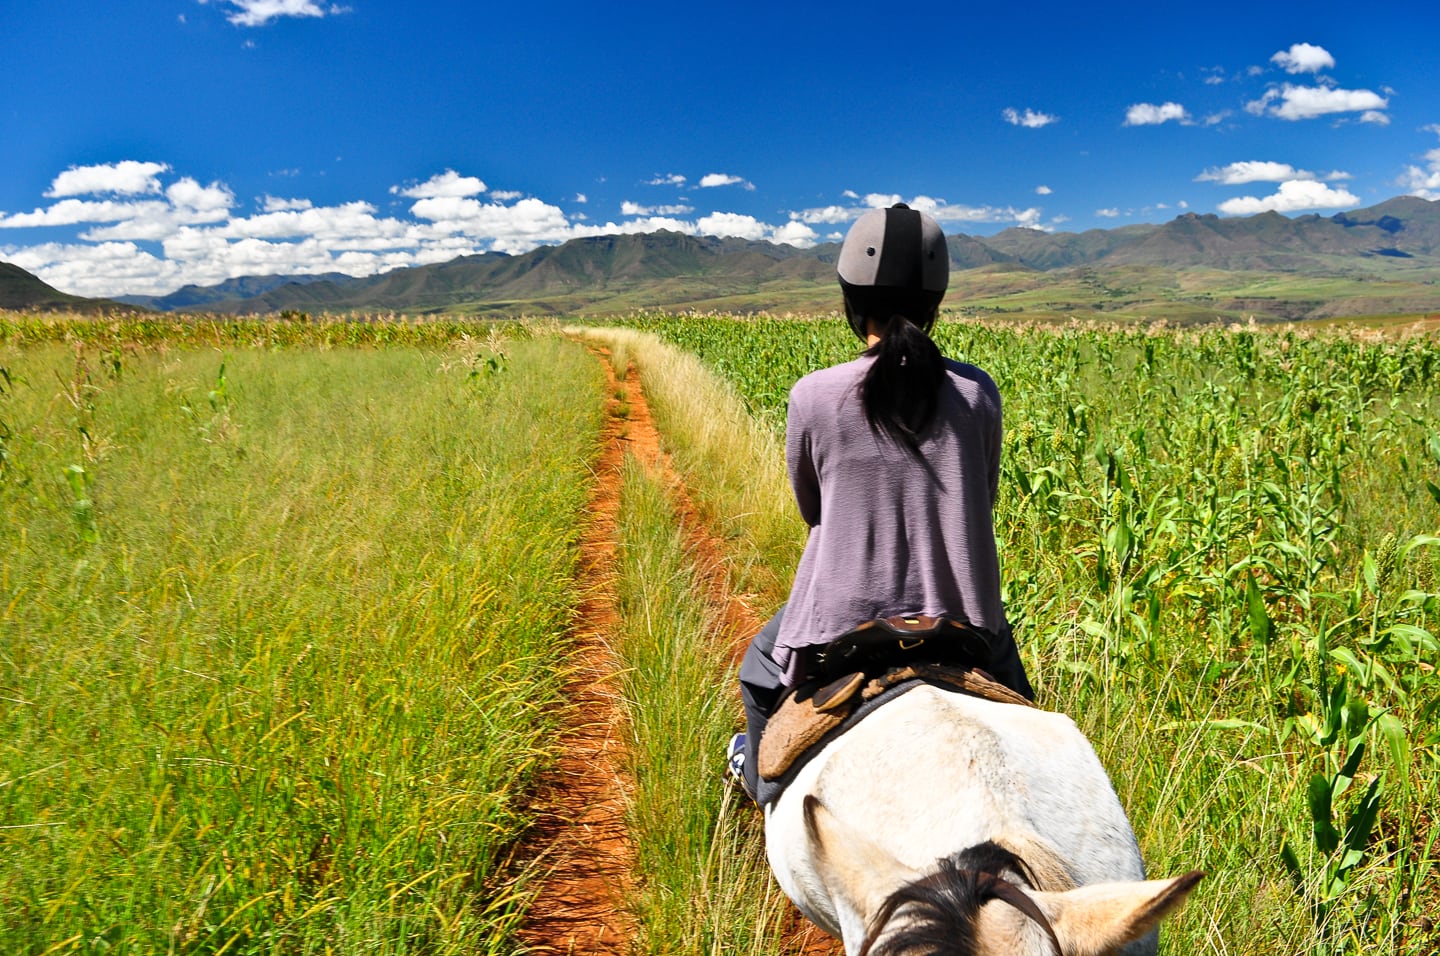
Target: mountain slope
(1383, 259)
(20, 290)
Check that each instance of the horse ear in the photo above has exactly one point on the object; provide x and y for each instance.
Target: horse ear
(853, 867)
(1099, 918)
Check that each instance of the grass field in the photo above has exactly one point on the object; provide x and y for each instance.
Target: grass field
(280, 631)
(282, 616)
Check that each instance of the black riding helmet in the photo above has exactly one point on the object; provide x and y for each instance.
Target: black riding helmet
(894, 262)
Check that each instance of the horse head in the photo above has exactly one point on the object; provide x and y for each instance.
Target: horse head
(982, 901)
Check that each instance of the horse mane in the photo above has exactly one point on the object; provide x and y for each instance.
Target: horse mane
(944, 907)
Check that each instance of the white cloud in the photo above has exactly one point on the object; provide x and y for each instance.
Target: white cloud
(70, 212)
(126, 178)
(827, 214)
(732, 224)
(1304, 58)
(257, 13)
(1252, 171)
(1043, 190)
(1297, 195)
(1110, 213)
(150, 236)
(276, 204)
(1425, 182)
(1375, 116)
(628, 208)
(448, 183)
(795, 234)
(1030, 119)
(581, 198)
(1148, 114)
(1308, 102)
(196, 203)
(99, 270)
(711, 180)
(939, 209)
(666, 179)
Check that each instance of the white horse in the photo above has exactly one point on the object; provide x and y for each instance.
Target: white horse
(946, 824)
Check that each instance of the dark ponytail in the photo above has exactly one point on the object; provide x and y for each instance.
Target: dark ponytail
(902, 387)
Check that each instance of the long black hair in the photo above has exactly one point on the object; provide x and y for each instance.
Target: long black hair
(901, 389)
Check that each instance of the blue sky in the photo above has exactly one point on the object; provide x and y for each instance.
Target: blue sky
(145, 144)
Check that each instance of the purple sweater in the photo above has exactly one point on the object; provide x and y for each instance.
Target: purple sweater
(891, 534)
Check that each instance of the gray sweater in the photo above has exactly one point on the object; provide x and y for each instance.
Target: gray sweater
(891, 533)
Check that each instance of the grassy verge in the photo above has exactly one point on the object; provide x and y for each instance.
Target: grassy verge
(734, 471)
(704, 885)
(279, 629)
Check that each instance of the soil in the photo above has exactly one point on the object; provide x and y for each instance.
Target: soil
(581, 836)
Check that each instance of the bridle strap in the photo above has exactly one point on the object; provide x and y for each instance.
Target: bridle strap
(994, 887)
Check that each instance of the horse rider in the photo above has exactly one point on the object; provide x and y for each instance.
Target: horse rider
(894, 459)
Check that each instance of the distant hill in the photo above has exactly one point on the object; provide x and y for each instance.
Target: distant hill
(195, 298)
(21, 290)
(1380, 260)
(656, 270)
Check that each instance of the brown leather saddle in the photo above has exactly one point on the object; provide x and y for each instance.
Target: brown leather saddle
(856, 669)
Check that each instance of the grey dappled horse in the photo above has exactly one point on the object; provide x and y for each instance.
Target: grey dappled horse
(948, 824)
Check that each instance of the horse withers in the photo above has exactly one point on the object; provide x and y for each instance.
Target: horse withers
(945, 824)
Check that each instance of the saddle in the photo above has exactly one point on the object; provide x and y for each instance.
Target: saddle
(850, 675)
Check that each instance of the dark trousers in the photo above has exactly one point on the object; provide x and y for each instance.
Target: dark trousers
(761, 683)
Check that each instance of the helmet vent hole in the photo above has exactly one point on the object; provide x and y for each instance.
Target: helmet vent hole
(869, 250)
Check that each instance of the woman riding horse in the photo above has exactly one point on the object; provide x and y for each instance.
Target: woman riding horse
(895, 461)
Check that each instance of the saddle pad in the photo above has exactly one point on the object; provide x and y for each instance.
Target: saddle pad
(806, 716)
(800, 723)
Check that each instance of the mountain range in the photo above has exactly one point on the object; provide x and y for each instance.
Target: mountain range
(1384, 259)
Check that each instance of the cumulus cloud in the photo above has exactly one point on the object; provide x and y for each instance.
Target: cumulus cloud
(1110, 213)
(276, 204)
(1030, 119)
(827, 214)
(1043, 190)
(711, 180)
(1252, 171)
(448, 183)
(1304, 58)
(1424, 181)
(126, 178)
(628, 208)
(1290, 102)
(666, 179)
(70, 212)
(1297, 195)
(149, 236)
(1149, 114)
(939, 209)
(796, 234)
(257, 13)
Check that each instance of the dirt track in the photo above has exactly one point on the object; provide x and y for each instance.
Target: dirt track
(581, 836)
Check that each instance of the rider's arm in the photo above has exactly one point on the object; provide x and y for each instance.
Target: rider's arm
(800, 463)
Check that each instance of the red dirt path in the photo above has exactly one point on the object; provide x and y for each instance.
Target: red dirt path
(580, 909)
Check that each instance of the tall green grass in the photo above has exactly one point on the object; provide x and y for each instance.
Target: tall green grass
(1220, 553)
(703, 884)
(280, 631)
